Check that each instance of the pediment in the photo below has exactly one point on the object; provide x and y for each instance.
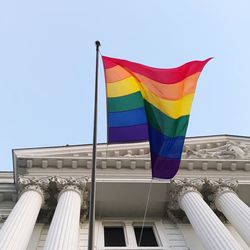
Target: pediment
(206, 147)
(208, 152)
(85, 151)
(217, 147)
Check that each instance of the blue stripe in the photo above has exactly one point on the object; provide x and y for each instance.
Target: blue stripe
(127, 118)
(161, 145)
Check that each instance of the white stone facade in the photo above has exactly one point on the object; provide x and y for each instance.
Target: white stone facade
(44, 201)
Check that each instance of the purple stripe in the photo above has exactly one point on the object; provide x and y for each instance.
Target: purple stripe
(164, 168)
(128, 134)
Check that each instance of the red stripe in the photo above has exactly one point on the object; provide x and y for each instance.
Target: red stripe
(168, 76)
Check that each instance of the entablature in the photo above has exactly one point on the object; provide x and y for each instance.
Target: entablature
(219, 153)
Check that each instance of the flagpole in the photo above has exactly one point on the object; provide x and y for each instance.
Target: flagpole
(93, 181)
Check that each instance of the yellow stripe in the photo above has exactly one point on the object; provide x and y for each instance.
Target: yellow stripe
(165, 91)
(173, 109)
(123, 87)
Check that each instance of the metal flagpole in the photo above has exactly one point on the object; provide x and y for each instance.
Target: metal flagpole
(93, 182)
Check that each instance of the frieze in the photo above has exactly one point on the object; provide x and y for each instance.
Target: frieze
(230, 150)
(130, 155)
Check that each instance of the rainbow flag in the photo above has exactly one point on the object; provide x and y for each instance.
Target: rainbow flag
(145, 103)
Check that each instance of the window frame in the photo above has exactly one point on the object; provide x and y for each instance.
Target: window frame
(155, 231)
(114, 224)
(129, 234)
(120, 225)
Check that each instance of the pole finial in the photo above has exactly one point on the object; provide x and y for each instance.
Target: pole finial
(97, 43)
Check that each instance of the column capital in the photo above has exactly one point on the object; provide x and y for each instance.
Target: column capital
(217, 187)
(179, 187)
(51, 187)
(39, 185)
(78, 185)
(65, 181)
(24, 181)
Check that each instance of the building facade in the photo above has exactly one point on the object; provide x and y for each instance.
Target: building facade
(44, 201)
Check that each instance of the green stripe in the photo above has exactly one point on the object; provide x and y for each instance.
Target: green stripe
(164, 124)
(123, 103)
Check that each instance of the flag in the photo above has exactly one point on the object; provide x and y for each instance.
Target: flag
(146, 103)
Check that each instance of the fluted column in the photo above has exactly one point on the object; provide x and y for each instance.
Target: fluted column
(17, 229)
(64, 229)
(228, 202)
(208, 227)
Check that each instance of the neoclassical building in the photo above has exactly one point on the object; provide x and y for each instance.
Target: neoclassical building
(44, 201)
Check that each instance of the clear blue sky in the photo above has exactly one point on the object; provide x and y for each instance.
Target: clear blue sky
(47, 63)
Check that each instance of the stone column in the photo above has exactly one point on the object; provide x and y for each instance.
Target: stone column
(17, 229)
(208, 227)
(64, 229)
(228, 202)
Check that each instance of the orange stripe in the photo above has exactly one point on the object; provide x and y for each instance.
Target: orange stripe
(117, 73)
(170, 91)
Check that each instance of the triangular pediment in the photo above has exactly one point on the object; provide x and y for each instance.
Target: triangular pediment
(85, 151)
(205, 147)
(217, 147)
(223, 152)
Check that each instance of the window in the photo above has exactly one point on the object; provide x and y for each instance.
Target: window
(114, 236)
(145, 236)
(129, 234)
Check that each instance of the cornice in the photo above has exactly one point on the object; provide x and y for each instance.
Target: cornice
(214, 155)
(134, 162)
(229, 153)
(203, 142)
(6, 177)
